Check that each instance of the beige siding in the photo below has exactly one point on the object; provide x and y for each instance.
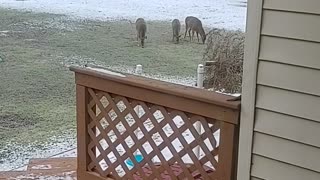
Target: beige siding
(286, 106)
(307, 6)
(289, 77)
(290, 51)
(266, 168)
(251, 55)
(255, 178)
(288, 102)
(288, 127)
(287, 151)
(291, 25)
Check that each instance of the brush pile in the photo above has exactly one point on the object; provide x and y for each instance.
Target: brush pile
(223, 59)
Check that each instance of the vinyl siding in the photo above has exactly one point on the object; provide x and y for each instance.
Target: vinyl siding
(286, 122)
(270, 169)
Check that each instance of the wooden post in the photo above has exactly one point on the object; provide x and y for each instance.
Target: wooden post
(200, 72)
(83, 138)
(210, 63)
(138, 71)
(226, 151)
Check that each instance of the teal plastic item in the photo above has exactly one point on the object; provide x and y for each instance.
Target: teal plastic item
(138, 158)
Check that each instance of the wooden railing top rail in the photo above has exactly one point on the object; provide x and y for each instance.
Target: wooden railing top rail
(210, 104)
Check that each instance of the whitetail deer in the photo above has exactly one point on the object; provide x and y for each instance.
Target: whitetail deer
(176, 26)
(194, 24)
(141, 28)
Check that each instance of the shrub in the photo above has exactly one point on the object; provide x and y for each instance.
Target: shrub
(224, 60)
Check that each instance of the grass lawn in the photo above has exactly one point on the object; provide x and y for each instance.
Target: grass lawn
(37, 92)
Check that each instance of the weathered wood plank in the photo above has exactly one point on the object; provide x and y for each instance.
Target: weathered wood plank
(161, 98)
(91, 176)
(158, 86)
(64, 164)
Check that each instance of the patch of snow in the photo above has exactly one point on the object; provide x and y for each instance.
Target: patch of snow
(187, 81)
(107, 71)
(230, 94)
(21, 154)
(23, 168)
(83, 62)
(230, 14)
(48, 166)
(65, 176)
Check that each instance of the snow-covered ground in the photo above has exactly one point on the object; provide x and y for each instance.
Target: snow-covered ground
(64, 146)
(230, 14)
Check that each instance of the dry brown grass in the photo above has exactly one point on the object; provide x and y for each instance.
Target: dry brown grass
(225, 49)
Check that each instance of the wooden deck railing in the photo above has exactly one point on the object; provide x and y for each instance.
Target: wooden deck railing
(120, 117)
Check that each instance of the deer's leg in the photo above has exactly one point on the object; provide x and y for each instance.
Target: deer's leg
(185, 34)
(198, 36)
(190, 34)
(138, 39)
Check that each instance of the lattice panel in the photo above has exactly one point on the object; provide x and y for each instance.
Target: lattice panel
(167, 139)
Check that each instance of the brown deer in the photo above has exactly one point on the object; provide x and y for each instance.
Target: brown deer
(141, 28)
(195, 25)
(176, 26)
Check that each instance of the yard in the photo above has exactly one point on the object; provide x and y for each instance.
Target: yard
(37, 89)
(37, 107)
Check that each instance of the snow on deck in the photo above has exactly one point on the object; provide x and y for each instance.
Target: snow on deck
(47, 166)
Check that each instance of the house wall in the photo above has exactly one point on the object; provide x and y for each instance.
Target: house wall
(280, 124)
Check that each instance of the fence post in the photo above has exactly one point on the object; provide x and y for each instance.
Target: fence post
(83, 138)
(138, 71)
(227, 151)
(200, 72)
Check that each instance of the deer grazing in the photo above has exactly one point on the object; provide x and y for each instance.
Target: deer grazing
(141, 28)
(195, 25)
(176, 26)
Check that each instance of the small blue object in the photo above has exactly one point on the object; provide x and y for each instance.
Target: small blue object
(138, 158)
